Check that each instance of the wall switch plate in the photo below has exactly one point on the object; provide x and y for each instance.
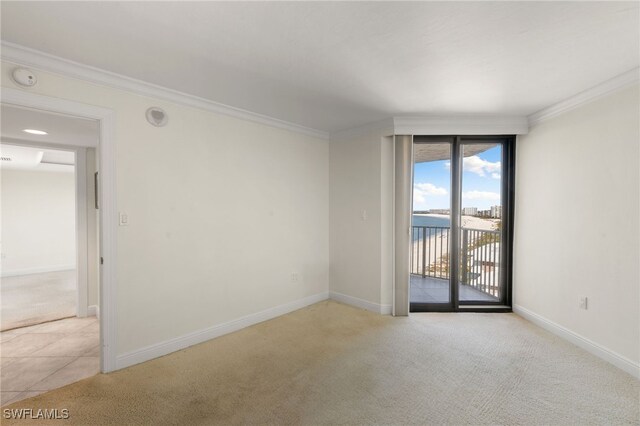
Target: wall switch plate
(123, 219)
(584, 303)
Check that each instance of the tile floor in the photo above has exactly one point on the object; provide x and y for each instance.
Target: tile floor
(436, 290)
(42, 357)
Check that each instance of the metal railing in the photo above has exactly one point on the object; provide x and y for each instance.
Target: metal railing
(430, 253)
(480, 256)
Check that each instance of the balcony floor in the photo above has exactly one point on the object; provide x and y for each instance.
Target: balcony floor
(436, 290)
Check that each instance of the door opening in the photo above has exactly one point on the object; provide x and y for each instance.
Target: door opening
(50, 248)
(461, 232)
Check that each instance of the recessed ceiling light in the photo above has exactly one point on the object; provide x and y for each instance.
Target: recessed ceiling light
(35, 132)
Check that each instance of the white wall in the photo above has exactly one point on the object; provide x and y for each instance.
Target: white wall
(221, 212)
(361, 181)
(38, 221)
(576, 227)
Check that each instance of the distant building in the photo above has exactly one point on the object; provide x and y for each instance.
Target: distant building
(496, 212)
(470, 211)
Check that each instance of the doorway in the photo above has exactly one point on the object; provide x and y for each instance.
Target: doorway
(461, 230)
(50, 251)
(108, 214)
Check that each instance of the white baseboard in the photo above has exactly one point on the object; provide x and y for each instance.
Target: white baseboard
(600, 351)
(385, 309)
(163, 348)
(93, 311)
(360, 303)
(40, 270)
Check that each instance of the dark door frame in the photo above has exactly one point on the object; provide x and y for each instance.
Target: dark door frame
(508, 143)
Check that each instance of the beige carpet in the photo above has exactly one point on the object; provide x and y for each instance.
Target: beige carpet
(334, 364)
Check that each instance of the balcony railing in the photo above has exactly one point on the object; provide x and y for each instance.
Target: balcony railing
(480, 256)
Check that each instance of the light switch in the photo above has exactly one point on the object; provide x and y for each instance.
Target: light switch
(584, 302)
(124, 219)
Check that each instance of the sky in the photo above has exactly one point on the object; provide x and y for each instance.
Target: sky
(480, 182)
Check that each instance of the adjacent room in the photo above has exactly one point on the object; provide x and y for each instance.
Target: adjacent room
(50, 283)
(39, 238)
(320, 213)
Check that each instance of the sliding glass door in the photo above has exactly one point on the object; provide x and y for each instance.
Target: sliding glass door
(430, 282)
(461, 223)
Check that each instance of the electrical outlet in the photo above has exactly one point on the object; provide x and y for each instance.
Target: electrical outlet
(584, 303)
(295, 277)
(364, 216)
(124, 219)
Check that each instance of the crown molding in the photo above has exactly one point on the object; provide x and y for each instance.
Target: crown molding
(461, 125)
(36, 59)
(603, 89)
(382, 128)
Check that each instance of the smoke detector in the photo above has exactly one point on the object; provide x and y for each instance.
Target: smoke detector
(24, 77)
(157, 117)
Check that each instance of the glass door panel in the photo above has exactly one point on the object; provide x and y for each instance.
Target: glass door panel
(480, 233)
(431, 223)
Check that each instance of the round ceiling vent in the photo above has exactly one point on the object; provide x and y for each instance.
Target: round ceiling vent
(157, 117)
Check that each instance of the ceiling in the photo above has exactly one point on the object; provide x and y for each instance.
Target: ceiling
(338, 65)
(426, 152)
(61, 129)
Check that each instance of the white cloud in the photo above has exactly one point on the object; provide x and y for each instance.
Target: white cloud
(423, 191)
(481, 195)
(477, 165)
(429, 189)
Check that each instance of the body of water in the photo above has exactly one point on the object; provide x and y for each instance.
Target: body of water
(422, 220)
